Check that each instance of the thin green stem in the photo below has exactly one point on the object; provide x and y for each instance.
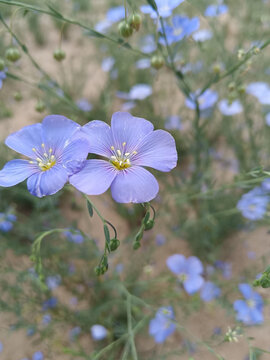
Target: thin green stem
(130, 329)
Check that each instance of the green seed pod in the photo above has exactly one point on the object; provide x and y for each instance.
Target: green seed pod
(157, 62)
(241, 89)
(149, 225)
(97, 270)
(125, 29)
(2, 64)
(40, 106)
(231, 86)
(12, 54)
(136, 245)
(59, 55)
(216, 69)
(135, 21)
(114, 244)
(17, 96)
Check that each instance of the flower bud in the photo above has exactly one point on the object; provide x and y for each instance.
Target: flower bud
(13, 54)
(59, 55)
(40, 106)
(231, 86)
(136, 245)
(149, 225)
(2, 64)
(135, 21)
(114, 244)
(256, 50)
(216, 69)
(157, 62)
(125, 29)
(241, 89)
(97, 270)
(17, 96)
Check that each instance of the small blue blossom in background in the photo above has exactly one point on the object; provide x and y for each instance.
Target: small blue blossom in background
(115, 14)
(188, 270)
(84, 105)
(182, 26)
(216, 10)
(1, 347)
(74, 333)
(74, 236)
(6, 222)
(127, 106)
(250, 310)
(2, 77)
(253, 205)
(225, 267)
(162, 325)
(230, 109)
(49, 304)
(143, 63)
(202, 35)
(261, 91)
(31, 331)
(173, 123)
(148, 44)
(38, 355)
(165, 8)
(137, 92)
(53, 281)
(206, 100)
(160, 239)
(108, 64)
(98, 332)
(140, 92)
(210, 291)
(46, 319)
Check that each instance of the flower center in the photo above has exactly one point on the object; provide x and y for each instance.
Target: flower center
(182, 277)
(45, 159)
(251, 303)
(177, 32)
(120, 158)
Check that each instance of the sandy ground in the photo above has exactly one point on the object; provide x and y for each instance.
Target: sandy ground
(235, 249)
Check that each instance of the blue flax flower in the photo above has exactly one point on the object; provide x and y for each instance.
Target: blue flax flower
(55, 150)
(230, 109)
(250, 310)
(182, 26)
(206, 100)
(253, 205)
(261, 91)
(115, 14)
(216, 10)
(128, 145)
(2, 77)
(74, 236)
(209, 291)
(188, 271)
(6, 222)
(162, 325)
(165, 8)
(98, 332)
(202, 35)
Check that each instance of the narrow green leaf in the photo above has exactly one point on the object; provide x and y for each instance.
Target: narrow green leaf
(90, 208)
(153, 4)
